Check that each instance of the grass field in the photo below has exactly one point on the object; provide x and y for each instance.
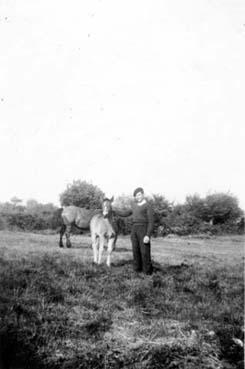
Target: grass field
(58, 310)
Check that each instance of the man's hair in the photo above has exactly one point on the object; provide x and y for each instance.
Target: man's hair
(138, 189)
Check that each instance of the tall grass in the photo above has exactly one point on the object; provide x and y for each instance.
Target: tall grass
(59, 312)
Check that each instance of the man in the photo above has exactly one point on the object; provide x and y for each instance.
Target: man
(141, 231)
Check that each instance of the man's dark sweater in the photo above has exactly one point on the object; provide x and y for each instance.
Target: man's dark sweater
(142, 214)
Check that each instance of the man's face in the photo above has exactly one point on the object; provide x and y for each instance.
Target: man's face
(139, 197)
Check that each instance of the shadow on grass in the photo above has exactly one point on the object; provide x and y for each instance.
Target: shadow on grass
(89, 246)
(157, 267)
(122, 263)
(15, 353)
(121, 249)
(78, 245)
(166, 268)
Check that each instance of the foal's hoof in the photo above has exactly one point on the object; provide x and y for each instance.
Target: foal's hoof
(68, 246)
(60, 245)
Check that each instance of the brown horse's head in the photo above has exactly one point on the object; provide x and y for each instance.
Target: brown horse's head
(107, 207)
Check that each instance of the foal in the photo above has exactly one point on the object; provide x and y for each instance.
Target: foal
(103, 231)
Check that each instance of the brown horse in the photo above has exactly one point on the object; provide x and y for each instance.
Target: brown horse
(103, 231)
(75, 216)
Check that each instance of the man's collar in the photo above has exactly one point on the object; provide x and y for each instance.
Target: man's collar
(141, 203)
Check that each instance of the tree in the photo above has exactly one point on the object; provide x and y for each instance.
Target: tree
(222, 207)
(161, 208)
(196, 206)
(15, 205)
(160, 205)
(34, 207)
(16, 201)
(123, 202)
(82, 194)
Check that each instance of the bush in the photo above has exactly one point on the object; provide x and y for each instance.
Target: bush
(26, 222)
(3, 223)
(161, 209)
(30, 222)
(124, 225)
(217, 213)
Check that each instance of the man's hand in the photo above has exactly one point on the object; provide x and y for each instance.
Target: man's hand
(146, 239)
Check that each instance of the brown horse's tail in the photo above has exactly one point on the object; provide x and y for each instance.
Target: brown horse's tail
(57, 218)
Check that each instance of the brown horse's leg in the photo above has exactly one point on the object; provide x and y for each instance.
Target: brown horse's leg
(68, 234)
(62, 231)
(114, 242)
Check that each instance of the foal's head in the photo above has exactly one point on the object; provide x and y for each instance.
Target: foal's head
(107, 207)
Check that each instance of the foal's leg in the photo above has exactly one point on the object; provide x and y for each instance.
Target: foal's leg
(101, 248)
(95, 248)
(68, 234)
(62, 231)
(110, 248)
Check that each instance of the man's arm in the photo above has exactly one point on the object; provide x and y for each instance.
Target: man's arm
(123, 213)
(150, 217)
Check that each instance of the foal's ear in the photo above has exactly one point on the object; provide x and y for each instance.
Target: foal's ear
(112, 199)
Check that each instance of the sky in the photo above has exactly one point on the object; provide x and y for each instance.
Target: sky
(122, 94)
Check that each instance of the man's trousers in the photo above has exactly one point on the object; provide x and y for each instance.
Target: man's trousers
(141, 250)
